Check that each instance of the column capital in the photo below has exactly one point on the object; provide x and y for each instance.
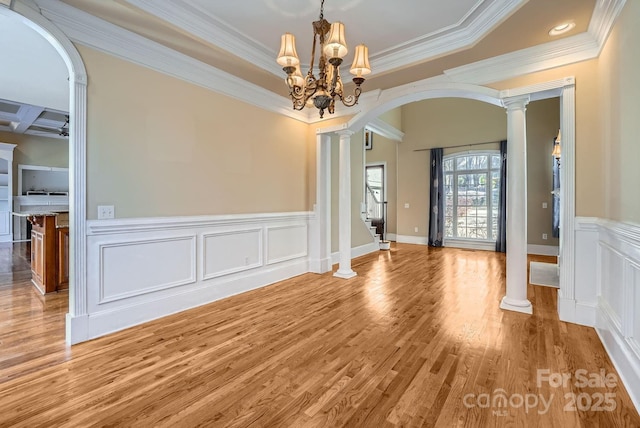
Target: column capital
(345, 132)
(515, 103)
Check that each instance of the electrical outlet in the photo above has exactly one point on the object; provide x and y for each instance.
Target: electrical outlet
(545, 236)
(406, 204)
(544, 205)
(415, 229)
(105, 212)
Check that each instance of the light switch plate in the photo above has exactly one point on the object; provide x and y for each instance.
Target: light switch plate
(105, 212)
(544, 205)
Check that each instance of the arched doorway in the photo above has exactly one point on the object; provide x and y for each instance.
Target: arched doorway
(429, 89)
(27, 16)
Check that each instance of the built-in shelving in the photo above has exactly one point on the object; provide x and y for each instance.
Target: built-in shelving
(40, 188)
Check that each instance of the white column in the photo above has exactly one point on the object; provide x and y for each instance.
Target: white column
(516, 298)
(344, 207)
(320, 230)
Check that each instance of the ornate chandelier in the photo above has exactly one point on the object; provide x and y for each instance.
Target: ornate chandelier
(323, 90)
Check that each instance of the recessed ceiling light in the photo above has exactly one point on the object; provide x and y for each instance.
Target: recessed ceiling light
(562, 28)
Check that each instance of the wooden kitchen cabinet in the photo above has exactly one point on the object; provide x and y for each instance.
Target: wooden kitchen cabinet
(63, 258)
(44, 263)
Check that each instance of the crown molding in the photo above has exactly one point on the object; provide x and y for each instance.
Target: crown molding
(210, 29)
(603, 18)
(103, 36)
(466, 33)
(569, 50)
(540, 91)
(98, 34)
(380, 127)
(561, 52)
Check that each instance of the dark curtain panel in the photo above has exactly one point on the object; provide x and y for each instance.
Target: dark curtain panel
(555, 204)
(501, 239)
(436, 214)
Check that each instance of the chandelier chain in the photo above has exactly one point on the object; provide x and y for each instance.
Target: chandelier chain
(321, 10)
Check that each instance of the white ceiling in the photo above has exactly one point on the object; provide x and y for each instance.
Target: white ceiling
(34, 87)
(32, 70)
(394, 31)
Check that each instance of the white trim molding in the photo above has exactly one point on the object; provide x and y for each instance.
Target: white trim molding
(380, 127)
(146, 268)
(464, 34)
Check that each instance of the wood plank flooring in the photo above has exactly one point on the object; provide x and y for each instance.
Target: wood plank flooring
(416, 339)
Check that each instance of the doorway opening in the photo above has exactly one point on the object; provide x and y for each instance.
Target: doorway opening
(376, 196)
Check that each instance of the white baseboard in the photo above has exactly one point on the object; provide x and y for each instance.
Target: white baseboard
(320, 265)
(543, 250)
(408, 239)
(357, 251)
(105, 322)
(469, 244)
(583, 313)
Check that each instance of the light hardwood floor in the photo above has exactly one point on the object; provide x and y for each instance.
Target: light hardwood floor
(410, 340)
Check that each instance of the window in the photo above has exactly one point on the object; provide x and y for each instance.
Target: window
(472, 190)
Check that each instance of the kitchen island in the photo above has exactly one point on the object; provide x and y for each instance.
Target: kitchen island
(49, 249)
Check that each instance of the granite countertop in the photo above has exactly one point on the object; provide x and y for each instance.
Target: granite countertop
(62, 217)
(36, 213)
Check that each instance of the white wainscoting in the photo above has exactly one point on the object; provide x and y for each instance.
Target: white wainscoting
(617, 276)
(583, 304)
(143, 269)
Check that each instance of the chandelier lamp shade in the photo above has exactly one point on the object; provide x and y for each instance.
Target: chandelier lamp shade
(323, 90)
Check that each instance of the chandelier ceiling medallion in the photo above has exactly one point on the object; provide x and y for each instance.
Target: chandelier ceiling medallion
(323, 90)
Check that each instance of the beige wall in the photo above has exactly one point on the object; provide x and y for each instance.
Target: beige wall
(619, 92)
(434, 123)
(589, 183)
(386, 150)
(393, 117)
(543, 122)
(35, 150)
(159, 146)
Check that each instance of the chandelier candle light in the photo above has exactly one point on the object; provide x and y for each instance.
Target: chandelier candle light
(323, 90)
